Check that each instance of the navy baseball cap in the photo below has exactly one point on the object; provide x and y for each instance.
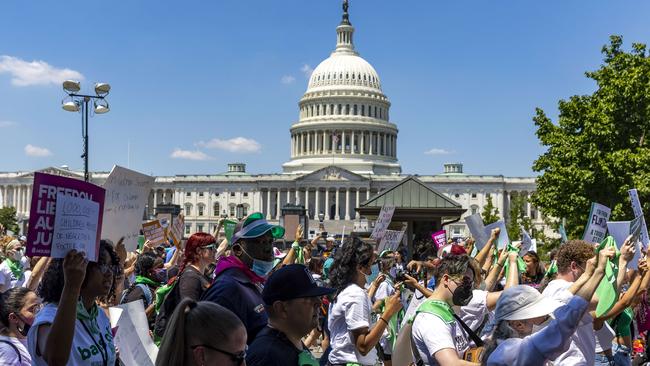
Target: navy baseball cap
(293, 281)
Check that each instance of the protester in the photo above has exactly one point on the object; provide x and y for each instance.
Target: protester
(292, 300)
(239, 277)
(12, 269)
(316, 269)
(148, 277)
(534, 273)
(202, 333)
(353, 337)
(18, 308)
(386, 289)
(524, 333)
(71, 329)
(191, 281)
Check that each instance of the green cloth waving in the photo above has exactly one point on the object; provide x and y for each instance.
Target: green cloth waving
(15, 267)
(606, 290)
(552, 269)
(521, 265)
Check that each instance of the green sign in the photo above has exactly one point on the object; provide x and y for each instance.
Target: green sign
(229, 229)
(140, 242)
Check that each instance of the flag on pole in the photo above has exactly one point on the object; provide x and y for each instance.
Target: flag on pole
(563, 237)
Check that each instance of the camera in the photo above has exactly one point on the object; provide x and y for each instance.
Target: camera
(400, 275)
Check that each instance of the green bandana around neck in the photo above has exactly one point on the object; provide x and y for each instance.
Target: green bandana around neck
(89, 317)
(15, 267)
(146, 281)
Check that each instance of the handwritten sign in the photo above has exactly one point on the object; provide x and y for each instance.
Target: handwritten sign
(75, 227)
(439, 238)
(175, 232)
(43, 211)
(229, 229)
(132, 335)
(597, 225)
(385, 216)
(390, 240)
(638, 212)
(154, 232)
(127, 192)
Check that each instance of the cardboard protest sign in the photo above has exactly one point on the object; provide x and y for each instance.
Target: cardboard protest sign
(597, 225)
(477, 229)
(75, 227)
(638, 212)
(390, 240)
(439, 238)
(154, 232)
(503, 240)
(132, 334)
(43, 211)
(385, 216)
(127, 193)
(620, 230)
(175, 231)
(526, 242)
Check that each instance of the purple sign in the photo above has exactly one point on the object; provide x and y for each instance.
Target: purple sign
(42, 214)
(439, 238)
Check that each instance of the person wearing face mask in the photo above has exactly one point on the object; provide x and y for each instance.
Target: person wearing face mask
(148, 277)
(526, 333)
(353, 336)
(292, 300)
(238, 278)
(12, 269)
(18, 308)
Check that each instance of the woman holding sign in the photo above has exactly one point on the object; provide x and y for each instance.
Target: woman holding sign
(71, 329)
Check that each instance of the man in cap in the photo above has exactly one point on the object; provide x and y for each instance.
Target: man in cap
(239, 277)
(292, 300)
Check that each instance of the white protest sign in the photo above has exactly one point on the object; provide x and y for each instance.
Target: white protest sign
(127, 193)
(638, 211)
(526, 242)
(154, 232)
(391, 240)
(385, 216)
(132, 337)
(533, 246)
(477, 229)
(503, 240)
(620, 230)
(596, 228)
(75, 226)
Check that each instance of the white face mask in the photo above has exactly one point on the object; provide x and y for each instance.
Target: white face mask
(537, 328)
(18, 255)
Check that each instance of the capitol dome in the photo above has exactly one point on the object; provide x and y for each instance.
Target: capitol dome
(344, 119)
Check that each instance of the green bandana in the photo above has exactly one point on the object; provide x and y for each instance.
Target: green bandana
(606, 290)
(552, 269)
(15, 267)
(436, 307)
(90, 318)
(146, 281)
(521, 265)
(300, 256)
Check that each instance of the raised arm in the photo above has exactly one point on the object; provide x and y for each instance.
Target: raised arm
(628, 249)
(495, 272)
(37, 273)
(487, 249)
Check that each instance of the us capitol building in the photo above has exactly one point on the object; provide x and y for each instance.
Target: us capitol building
(343, 151)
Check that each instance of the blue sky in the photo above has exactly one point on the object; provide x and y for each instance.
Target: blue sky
(464, 77)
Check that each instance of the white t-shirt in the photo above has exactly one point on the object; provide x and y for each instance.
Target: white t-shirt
(7, 278)
(85, 348)
(385, 289)
(350, 311)
(475, 312)
(8, 355)
(431, 334)
(582, 350)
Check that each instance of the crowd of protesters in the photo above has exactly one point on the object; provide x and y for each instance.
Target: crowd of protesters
(213, 301)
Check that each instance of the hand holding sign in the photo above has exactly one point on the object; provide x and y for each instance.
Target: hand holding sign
(74, 268)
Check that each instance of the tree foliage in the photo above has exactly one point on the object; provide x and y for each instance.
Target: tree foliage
(8, 219)
(490, 213)
(598, 149)
(518, 218)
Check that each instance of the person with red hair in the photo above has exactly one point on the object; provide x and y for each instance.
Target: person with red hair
(191, 281)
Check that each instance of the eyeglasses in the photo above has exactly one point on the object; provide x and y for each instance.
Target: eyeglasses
(466, 281)
(237, 359)
(34, 309)
(210, 247)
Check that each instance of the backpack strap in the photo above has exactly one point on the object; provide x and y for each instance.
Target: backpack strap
(20, 357)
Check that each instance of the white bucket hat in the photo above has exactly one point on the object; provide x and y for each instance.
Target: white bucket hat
(523, 302)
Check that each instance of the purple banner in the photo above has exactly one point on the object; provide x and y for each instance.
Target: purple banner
(439, 238)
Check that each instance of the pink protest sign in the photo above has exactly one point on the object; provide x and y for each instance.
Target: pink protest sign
(439, 238)
(46, 188)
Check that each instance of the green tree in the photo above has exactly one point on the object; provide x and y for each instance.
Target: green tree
(8, 219)
(490, 213)
(598, 149)
(518, 218)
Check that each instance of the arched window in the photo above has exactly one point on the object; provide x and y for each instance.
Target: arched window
(339, 109)
(375, 111)
(215, 209)
(474, 209)
(347, 109)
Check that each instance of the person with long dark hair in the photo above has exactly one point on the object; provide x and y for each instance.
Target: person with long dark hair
(18, 308)
(148, 277)
(534, 273)
(353, 337)
(71, 329)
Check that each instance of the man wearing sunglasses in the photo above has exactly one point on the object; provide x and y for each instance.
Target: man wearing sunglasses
(239, 277)
(292, 299)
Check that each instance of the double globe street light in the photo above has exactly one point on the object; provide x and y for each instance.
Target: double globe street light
(75, 102)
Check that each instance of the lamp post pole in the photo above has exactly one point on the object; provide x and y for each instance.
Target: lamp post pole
(85, 133)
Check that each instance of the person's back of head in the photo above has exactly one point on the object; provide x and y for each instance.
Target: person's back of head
(353, 255)
(201, 331)
(572, 258)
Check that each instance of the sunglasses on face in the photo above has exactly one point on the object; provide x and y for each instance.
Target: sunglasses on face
(210, 247)
(237, 359)
(466, 281)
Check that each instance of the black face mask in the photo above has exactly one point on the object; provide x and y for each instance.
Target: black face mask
(25, 329)
(462, 295)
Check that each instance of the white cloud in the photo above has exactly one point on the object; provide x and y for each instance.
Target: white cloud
(7, 124)
(31, 150)
(287, 79)
(237, 144)
(25, 73)
(190, 155)
(307, 70)
(435, 151)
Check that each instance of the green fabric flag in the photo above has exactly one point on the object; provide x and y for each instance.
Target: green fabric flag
(140, 242)
(300, 255)
(606, 290)
(229, 229)
(563, 237)
(552, 269)
(521, 265)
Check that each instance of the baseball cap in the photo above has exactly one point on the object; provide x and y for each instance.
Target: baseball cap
(278, 254)
(254, 226)
(523, 302)
(293, 281)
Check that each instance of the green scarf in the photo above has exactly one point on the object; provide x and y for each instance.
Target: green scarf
(15, 267)
(521, 265)
(89, 317)
(146, 281)
(606, 290)
(436, 307)
(300, 256)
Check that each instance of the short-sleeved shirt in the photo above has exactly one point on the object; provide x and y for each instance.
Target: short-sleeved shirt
(272, 348)
(350, 311)
(431, 334)
(384, 290)
(87, 348)
(13, 352)
(8, 280)
(583, 341)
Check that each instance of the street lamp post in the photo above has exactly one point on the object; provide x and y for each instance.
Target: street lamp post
(74, 101)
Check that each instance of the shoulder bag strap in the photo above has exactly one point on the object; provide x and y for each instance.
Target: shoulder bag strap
(20, 357)
(477, 340)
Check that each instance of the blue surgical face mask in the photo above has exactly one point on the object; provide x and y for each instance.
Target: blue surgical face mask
(262, 268)
(374, 272)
